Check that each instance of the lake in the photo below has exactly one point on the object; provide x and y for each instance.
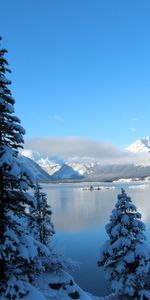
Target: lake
(80, 217)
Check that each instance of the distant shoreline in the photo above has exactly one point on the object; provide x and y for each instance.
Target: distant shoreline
(86, 180)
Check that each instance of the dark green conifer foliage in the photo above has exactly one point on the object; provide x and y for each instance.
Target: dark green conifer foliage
(17, 248)
(41, 225)
(125, 256)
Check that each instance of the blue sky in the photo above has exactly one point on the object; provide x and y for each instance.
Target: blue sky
(80, 68)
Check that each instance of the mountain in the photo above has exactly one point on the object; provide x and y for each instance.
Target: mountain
(37, 171)
(117, 171)
(60, 169)
(141, 145)
(66, 172)
(49, 164)
(54, 168)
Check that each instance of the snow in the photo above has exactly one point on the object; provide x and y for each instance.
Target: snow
(116, 230)
(67, 284)
(44, 289)
(125, 219)
(1, 90)
(9, 108)
(126, 180)
(141, 145)
(49, 165)
(139, 186)
(25, 170)
(14, 118)
(66, 172)
(141, 251)
(39, 173)
(12, 235)
(7, 155)
(30, 154)
(15, 168)
(2, 102)
(92, 170)
(33, 294)
(16, 127)
(120, 267)
(23, 185)
(27, 248)
(125, 256)
(81, 168)
(130, 257)
(3, 79)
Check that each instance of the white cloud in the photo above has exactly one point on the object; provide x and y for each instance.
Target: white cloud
(73, 146)
(67, 147)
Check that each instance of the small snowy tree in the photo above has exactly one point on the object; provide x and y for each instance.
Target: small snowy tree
(18, 251)
(40, 224)
(42, 229)
(125, 256)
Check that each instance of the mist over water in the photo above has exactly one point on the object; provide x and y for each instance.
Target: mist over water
(80, 218)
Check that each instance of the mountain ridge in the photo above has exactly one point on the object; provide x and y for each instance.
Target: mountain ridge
(140, 145)
(38, 172)
(90, 168)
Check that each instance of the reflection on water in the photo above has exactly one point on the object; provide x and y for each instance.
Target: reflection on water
(80, 217)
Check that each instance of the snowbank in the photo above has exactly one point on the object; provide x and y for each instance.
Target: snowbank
(58, 286)
(61, 286)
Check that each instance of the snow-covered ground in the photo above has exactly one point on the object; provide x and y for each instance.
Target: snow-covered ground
(57, 286)
(60, 286)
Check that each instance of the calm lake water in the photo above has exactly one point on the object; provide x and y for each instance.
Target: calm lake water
(80, 217)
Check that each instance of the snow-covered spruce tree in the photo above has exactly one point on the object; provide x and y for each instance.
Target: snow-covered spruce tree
(18, 251)
(40, 223)
(125, 256)
(42, 229)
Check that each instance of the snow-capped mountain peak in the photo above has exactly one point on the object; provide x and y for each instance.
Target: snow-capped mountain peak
(56, 165)
(75, 168)
(141, 145)
(48, 164)
(30, 154)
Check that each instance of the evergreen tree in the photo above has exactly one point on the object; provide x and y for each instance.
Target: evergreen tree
(42, 229)
(125, 256)
(18, 251)
(40, 224)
